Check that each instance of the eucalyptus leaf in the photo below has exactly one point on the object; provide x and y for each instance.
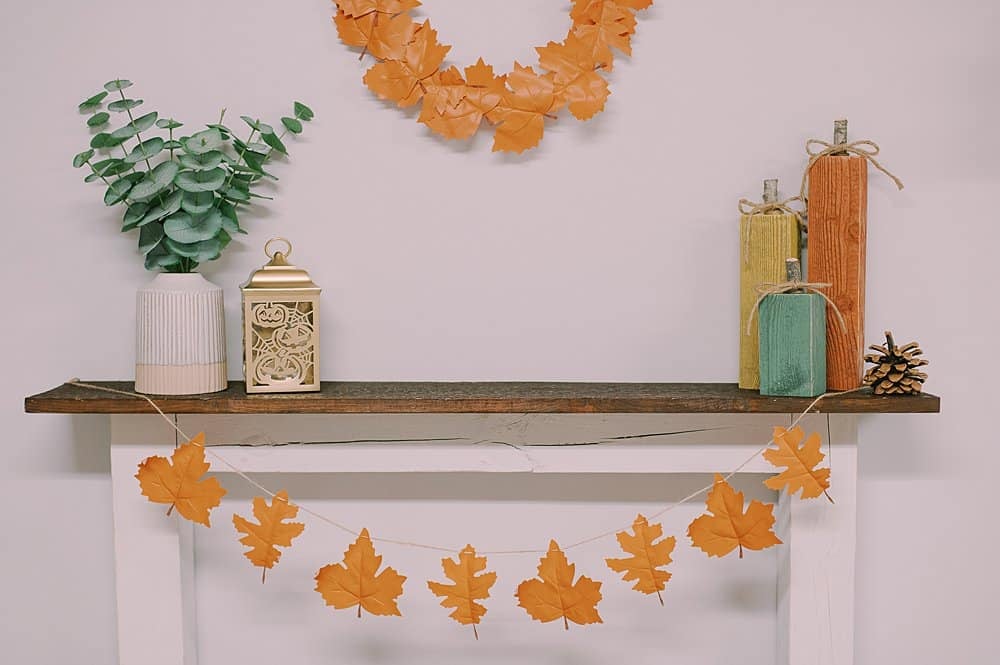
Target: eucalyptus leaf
(302, 112)
(144, 122)
(196, 203)
(187, 229)
(145, 150)
(201, 181)
(100, 140)
(111, 166)
(205, 250)
(156, 181)
(98, 119)
(203, 141)
(91, 177)
(159, 257)
(230, 221)
(203, 162)
(117, 84)
(172, 145)
(234, 194)
(167, 207)
(124, 133)
(120, 105)
(134, 215)
(117, 192)
(92, 102)
(273, 141)
(224, 239)
(82, 158)
(225, 131)
(149, 237)
(292, 124)
(168, 123)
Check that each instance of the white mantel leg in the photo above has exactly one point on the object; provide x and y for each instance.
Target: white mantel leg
(816, 564)
(154, 555)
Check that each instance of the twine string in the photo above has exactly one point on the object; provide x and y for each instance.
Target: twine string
(866, 149)
(773, 288)
(442, 548)
(753, 208)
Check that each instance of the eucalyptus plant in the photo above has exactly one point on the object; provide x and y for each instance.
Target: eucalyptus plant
(182, 192)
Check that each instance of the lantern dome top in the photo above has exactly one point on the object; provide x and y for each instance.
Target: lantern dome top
(278, 273)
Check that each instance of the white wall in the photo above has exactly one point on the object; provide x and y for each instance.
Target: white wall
(608, 254)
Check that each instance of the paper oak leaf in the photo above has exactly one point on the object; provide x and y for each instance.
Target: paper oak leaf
(801, 472)
(728, 527)
(648, 557)
(401, 79)
(355, 583)
(554, 595)
(178, 481)
(470, 584)
(271, 531)
(576, 81)
(523, 110)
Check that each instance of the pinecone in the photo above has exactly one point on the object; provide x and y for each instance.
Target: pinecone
(895, 371)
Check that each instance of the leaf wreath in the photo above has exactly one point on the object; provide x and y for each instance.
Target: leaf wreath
(411, 70)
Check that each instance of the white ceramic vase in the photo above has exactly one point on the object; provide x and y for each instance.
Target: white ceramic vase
(180, 344)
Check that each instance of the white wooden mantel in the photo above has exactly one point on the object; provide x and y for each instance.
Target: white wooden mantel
(157, 614)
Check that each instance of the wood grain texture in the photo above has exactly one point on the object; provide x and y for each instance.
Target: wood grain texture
(793, 345)
(772, 239)
(838, 228)
(502, 397)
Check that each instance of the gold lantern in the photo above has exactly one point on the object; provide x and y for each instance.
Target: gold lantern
(280, 326)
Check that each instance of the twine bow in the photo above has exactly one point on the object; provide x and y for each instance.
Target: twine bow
(866, 149)
(750, 208)
(771, 288)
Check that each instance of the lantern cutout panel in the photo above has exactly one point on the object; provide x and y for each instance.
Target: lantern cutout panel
(280, 326)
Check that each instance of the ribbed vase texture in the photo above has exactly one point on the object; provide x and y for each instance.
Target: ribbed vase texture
(180, 336)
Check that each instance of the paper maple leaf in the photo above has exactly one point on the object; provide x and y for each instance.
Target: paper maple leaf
(178, 481)
(576, 80)
(354, 582)
(380, 27)
(523, 110)
(469, 586)
(647, 557)
(729, 527)
(366, 7)
(400, 78)
(455, 106)
(554, 595)
(603, 24)
(801, 472)
(272, 530)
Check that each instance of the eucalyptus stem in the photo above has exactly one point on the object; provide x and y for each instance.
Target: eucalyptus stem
(138, 136)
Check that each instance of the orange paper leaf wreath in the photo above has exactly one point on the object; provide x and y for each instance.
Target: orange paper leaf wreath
(800, 462)
(554, 595)
(411, 69)
(648, 557)
(470, 584)
(728, 527)
(271, 531)
(178, 481)
(355, 583)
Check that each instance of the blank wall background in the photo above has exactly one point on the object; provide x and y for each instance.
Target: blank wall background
(608, 254)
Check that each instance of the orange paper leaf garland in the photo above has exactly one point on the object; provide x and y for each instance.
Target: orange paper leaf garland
(355, 583)
(648, 557)
(800, 462)
(728, 527)
(554, 595)
(470, 584)
(178, 481)
(411, 67)
(271, 531)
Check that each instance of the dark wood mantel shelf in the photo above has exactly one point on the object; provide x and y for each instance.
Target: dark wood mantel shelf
(492, 397)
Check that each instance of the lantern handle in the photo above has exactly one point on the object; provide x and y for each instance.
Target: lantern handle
(271, 254)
